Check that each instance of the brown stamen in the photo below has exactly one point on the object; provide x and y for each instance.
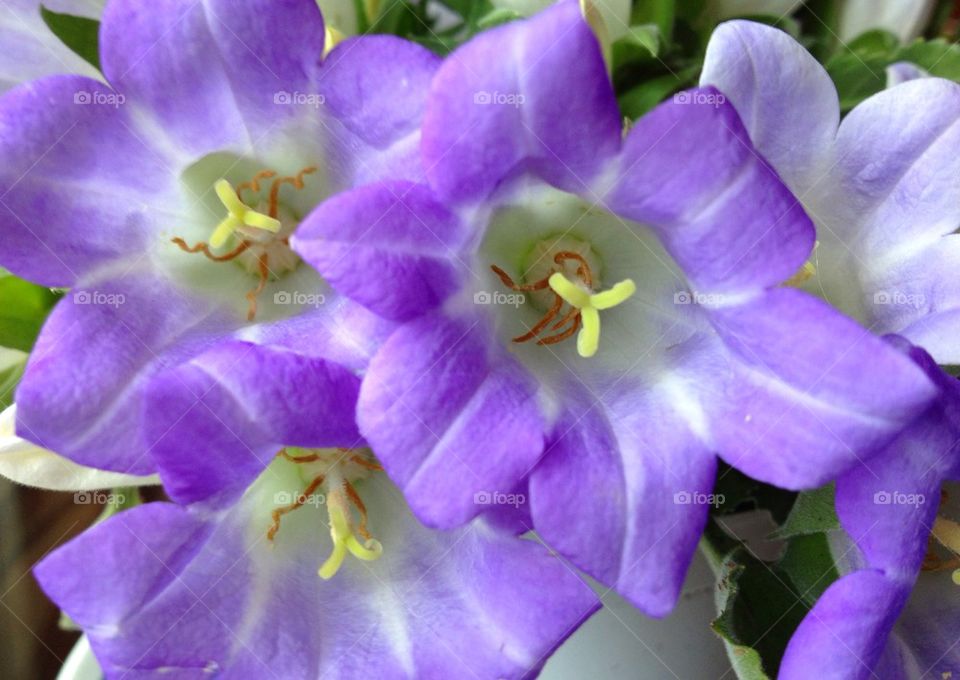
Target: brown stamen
(309, 458)
(254, 184)
(300, 500)
(571, 319)
(554, 339)
(205, 249)
(361, 509)
(296, 181)
(509, 283)
(261, 284)
(263, 264)
(366, 463)
(583, 271)
(542, 323)
(572, 314)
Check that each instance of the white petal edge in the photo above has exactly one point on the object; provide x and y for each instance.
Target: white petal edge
(28, 464)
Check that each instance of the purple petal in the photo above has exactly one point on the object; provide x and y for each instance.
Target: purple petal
(926, 632)
(937, 333)
(888, 504)
(338, 331)
(787, 101)
(243, 403)
(390, 246)
(844, 634)
(810, 392)
(158, 588)
(376, 86)
(82, 393)
(450, 416)
(904, 71)
(233, 58)
(79, 187)
(895, 207)
(639, 480)
(531, 95)
(689, 170)
(894, 167)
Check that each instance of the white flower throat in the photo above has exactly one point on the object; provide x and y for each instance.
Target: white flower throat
(563, 272)
(259, 230)
(332, 474)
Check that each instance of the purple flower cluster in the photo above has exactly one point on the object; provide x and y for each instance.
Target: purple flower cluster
(425, 306)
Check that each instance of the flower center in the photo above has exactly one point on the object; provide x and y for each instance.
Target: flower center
(258, 229)
(562, 278)
(334, 471)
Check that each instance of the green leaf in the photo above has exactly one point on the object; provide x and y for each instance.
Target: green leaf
(821, 21)
(639, 43)
(860, 69)
(12, 364)
(740, 493)
(661, 13)
(496, 17)
(812, 513)
(23, 309)
(761, 605)
(77, 33)
(645, 96)
(875, 43)
(857, 77)
(759, 610)
(745, 660)
(810, 565)
(938, 57)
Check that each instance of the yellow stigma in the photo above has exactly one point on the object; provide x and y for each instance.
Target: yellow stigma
(239, 214)
(343, 539)
(588, 340)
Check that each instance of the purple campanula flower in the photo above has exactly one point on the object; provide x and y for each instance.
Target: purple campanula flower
(538, 225)
(888, 509)
(881, 185)
(194, 342)
(165, 200)
(167, 591)
(882, 188)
